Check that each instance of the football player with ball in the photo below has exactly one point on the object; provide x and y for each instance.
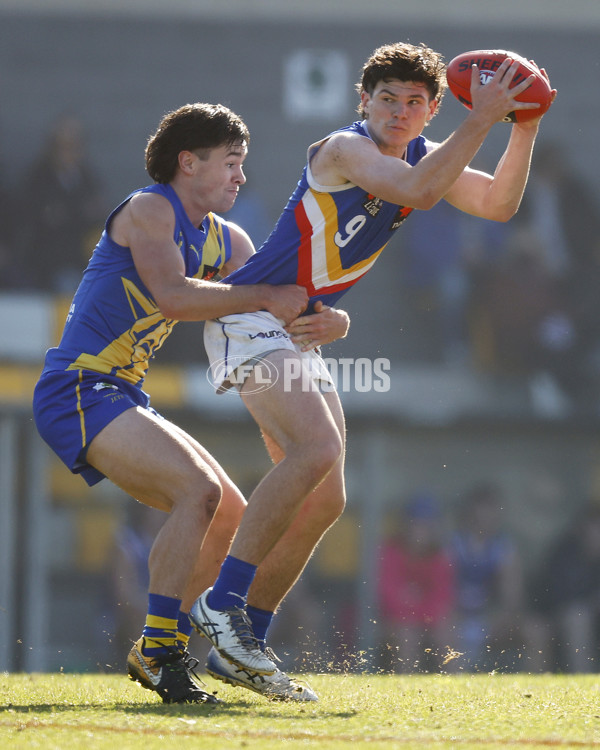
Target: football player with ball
(360, 183)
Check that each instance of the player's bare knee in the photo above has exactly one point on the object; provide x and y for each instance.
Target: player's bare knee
(328, 450)
(201, 501)
(321, 453)
(331, 507)
(321, 512)
(211, 497)
(335, 505)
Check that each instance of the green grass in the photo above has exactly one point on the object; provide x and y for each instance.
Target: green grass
(426, 711)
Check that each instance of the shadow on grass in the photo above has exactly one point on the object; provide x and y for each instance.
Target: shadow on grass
(267, 711)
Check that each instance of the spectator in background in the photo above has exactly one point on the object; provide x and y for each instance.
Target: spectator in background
(562, 217)
(568, 593)
(524, 307)
(561, 212)
(489, 582)
(62, 209)
(416, 589)
(443, 254)
(542, 302)
(435, 278)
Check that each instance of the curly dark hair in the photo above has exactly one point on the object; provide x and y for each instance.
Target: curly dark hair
(404, 62)
(192, 127)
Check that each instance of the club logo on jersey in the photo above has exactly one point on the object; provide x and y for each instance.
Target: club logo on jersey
(403, 212)
(372, 205)
(209, 272)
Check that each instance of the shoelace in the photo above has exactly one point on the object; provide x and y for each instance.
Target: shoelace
(297, 685)
(243, 629)
(268, 651)
(191, 663)
(181, 661)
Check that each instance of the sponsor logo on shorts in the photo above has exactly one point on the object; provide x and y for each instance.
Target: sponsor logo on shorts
(268, 335)
(110, 389)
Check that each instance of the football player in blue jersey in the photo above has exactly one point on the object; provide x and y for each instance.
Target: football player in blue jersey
(359, 185)
(157, 262)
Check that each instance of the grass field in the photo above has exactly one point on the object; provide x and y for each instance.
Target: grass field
(425, 711)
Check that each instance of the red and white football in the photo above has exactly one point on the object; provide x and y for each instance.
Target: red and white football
(458, 74)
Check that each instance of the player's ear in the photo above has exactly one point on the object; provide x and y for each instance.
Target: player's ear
(186, 161)
(365, 98)
(433, 107)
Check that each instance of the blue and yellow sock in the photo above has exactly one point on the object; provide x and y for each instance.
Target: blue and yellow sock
(184, 630)
(260, 620)
(231, 587)
(160, 630)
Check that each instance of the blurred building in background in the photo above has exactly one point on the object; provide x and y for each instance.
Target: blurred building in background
(487, 334)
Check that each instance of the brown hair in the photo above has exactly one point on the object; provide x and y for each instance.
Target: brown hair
(404, 62)
(191, 127)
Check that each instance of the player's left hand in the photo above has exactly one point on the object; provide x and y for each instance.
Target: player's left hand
(325, 325)
(534, 123)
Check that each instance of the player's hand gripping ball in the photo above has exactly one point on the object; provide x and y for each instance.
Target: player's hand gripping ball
(458, 74)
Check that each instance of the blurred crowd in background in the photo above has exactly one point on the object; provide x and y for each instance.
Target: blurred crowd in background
(518, 299)
(455, 593)
(459, 597)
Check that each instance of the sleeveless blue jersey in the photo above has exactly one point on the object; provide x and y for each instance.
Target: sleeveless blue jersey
(114, 326)
(327, 237)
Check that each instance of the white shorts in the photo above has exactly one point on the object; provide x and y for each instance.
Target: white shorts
(236, 344)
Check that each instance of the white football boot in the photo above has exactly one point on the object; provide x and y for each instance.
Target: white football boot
(277, 686)
(230, 632)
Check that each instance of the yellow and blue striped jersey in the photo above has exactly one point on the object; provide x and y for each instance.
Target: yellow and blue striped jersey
(114, 326)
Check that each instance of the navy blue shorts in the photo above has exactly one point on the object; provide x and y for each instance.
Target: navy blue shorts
(71, 407)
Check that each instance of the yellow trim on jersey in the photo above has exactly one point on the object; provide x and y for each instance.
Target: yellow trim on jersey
(322, 214)
(216, 231)
(80, 410)
(133, 293)
(214, 252)
(128, 356)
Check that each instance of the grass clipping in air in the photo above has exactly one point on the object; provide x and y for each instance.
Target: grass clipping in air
(365, 711)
